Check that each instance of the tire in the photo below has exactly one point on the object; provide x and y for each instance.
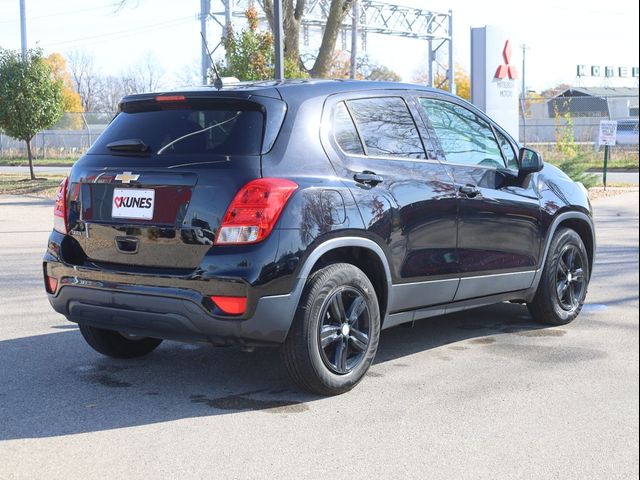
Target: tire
(116, 345)
(565, 278)
(335, 332)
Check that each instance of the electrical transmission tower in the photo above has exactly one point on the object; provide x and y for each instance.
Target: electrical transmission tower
(373, 17)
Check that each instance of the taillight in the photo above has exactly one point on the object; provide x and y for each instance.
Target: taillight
(60, 207)
(254, 211)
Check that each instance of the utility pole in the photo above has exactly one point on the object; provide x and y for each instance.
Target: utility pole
(23, 29)
(355, 12)
(523, 94)
(452, 67)
(205, 8)
(228, 23)
(278, 36)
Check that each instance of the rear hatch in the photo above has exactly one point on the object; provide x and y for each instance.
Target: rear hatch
(154, 187)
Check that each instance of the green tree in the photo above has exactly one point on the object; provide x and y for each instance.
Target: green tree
(31, 99)
(71, 101)
(381, 73)
(250, 53)
(463, 81)
(574, 164)
(576, 168)
(366, 68)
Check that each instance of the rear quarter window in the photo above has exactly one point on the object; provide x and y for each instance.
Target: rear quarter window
(387, 127)
(345, 131)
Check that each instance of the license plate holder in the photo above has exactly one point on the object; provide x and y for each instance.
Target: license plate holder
(133, 203)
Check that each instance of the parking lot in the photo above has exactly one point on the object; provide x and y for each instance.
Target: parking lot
(481, 394)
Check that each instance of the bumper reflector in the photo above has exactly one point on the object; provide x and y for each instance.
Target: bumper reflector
(230, 305)
(51, 284)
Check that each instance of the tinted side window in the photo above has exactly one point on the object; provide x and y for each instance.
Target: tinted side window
(465, 137)
(508, 151)
(345, 131)
(387, 127)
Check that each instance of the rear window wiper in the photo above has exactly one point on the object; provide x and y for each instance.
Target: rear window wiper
(130, 145)
(206, 129)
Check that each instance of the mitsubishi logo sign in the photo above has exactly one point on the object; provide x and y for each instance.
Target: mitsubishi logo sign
(494, 86)
(507, 70)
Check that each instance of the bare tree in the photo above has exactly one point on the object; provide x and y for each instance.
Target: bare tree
(85, 78)
(144, 76)
(188, 75)
(110, 92)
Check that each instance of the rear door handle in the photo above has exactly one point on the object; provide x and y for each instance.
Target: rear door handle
(469, 190)
(368, 178)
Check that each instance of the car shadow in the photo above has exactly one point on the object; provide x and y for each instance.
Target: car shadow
(54, 384)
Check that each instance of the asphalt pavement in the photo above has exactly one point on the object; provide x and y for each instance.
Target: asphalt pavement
(485, 394)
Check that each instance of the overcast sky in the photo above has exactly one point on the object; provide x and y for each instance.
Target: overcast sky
(560, 35)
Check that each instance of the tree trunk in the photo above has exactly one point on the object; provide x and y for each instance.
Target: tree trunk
(33, 177)
(337, 12)
(292, 13)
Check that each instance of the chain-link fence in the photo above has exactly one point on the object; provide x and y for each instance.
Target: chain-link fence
(71, 136)
(567, 124)
(575, 117)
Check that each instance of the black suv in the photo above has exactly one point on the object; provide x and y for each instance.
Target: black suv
(310, 215)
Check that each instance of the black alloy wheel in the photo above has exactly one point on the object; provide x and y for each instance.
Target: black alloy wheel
(570, 278)
(564, 280)
(344, 330)
(334, 336)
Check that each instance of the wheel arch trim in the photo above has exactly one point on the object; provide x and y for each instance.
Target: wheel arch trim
(343, 242)
(551, 232)
(334, 244)
(284, 307)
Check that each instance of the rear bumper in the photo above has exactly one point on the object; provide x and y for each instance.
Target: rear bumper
(173, 317)
(167, 305)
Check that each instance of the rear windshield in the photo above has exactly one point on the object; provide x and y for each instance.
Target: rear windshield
(186, 128)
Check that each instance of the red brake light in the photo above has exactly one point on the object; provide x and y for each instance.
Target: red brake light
(254, 211)
(60, 207)
(171, 98)
(231, 305)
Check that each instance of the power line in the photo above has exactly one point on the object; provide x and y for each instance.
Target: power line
(58, 14)
(124, 33)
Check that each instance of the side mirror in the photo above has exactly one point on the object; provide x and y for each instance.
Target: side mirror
(530, 161)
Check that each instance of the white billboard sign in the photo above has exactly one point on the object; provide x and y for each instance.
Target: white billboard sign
(607, 134)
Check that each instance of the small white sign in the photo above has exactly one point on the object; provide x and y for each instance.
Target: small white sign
(608, 130)
(133, 203)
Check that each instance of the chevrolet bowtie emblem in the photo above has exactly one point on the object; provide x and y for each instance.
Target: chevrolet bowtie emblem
(127, 177)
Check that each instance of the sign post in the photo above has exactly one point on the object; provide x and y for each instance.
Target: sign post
(607, 137)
